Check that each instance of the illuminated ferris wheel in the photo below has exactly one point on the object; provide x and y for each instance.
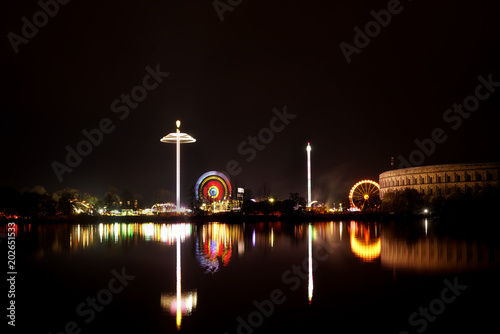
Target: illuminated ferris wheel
(213, 187)
(363, 193)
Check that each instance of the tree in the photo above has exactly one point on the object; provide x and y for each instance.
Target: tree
(64, 200)
(193, 202)
(248, 194)
(407, 201)
(298, 199)
(9, 200)
(111, 199)
(287, 206)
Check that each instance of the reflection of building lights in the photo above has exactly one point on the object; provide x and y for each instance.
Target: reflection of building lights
(253, 238)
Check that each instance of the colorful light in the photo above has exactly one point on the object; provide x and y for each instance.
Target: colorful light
(368, 250)
(310, 285)
(178, 138)
(213, 187)
(215, 247)
(181, 303)
(362, 191)
(308, 149)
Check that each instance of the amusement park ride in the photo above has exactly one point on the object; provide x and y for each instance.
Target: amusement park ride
(213, 189)
(363, 195)
(213, 192)
(178, 138)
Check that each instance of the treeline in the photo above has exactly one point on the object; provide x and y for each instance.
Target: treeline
(37, 202)
(455, 205)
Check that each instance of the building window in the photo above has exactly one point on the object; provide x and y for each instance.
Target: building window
(446, 178)
(467, 177)
(438, 179)
(479, 177)
(430, 191)
(430, 179)
(489, 176)
(457, 178)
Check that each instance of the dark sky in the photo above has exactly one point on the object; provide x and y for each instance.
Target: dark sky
(225, 79)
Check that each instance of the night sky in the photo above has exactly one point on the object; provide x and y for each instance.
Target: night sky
(226, 77)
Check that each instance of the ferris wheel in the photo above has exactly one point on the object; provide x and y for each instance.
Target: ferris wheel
(363, 193)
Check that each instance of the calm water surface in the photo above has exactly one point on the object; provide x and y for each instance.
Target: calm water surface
(256, 278)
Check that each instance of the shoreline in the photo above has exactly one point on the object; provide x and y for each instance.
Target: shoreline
(227, 217)
(236, 218)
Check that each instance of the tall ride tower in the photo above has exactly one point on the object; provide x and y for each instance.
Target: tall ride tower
(178, 138)
(308, 149)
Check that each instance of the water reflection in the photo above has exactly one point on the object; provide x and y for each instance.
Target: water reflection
(310, 281)
(208, 249)
(214, 247)
(430, 253)
(180, 303)
(365, 241)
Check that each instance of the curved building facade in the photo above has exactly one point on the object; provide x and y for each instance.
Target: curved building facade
(441, 179)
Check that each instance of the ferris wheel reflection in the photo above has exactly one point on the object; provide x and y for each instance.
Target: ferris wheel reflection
(365, 241)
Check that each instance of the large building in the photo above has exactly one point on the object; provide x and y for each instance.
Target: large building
(442, 179)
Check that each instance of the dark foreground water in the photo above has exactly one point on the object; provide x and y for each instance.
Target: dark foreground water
(329, 277)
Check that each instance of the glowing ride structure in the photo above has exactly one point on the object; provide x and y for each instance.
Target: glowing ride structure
(213, 187)
(308, 149)
(178, 138)
(362, 192)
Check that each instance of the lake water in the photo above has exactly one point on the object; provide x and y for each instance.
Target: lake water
(321, 277)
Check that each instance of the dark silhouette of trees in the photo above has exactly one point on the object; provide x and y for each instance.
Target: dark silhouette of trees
(65, 199)
(407, 201)
(111, 199)
(9, 200)
(127, 199)
(297, 199)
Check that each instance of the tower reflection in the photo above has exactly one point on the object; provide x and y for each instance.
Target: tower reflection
(180, 303)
